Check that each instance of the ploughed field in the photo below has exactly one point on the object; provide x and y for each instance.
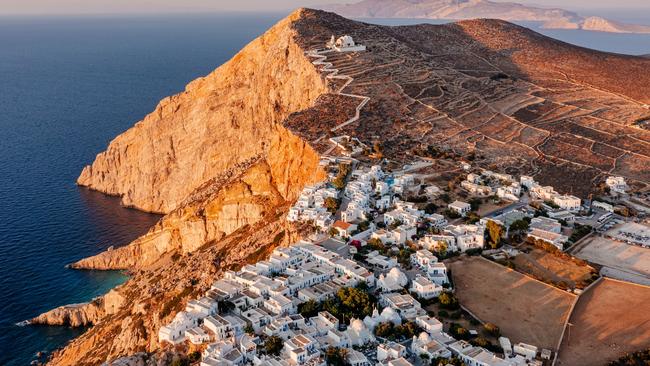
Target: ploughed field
(609, 320)
(566, 114)
(557, 269)
(525, 309)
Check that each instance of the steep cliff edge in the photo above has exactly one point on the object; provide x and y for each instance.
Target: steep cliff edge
(219, 121)
(76, 315)
(222, 205)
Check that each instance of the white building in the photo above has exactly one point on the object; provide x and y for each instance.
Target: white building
(546, 224)
(197, 335)
(430, 347)
(174, 332)
(467, 236)
(345, 44)
(556, 239)
(616, 184)
(526, 350)
(390, 351)
(602, 205)
(394, 280)
(405, 305)
(567, 202)
(425, 288)
(461, 208)
(429, 324)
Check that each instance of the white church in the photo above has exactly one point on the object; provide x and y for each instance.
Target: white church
(344, 44)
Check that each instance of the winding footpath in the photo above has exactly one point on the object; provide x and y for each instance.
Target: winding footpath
(333, 73)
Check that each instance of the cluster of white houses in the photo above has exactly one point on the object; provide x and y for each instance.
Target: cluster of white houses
(489, 183)
(264, 300)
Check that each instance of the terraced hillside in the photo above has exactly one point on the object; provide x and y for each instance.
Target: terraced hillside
(568, 115)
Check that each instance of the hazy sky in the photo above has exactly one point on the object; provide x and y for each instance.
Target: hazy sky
(158, 6)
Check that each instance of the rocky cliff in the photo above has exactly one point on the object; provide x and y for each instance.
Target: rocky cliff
(222, 205)
(76, 315)
(219, 121)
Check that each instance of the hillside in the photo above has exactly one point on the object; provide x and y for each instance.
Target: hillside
(225, 159)
(470, 9)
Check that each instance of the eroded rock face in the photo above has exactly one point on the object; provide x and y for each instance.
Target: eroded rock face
(77, 315)
(222, 205)
(219, 121)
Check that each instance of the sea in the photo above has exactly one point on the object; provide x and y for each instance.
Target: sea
(68, 85)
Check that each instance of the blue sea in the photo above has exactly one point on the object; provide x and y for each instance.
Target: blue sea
(68, 85)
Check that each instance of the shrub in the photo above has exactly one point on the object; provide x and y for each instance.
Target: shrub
(273, 345)
(492, 329)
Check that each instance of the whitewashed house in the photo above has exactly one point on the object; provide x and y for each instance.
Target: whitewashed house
(567, 202)
(425, 288)
(459, 207)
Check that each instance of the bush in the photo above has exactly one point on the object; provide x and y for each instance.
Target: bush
(273, 345)
(195, 356)
(309, 309)
(458, 331)
(336, 356)
(447, 300)
(452, 214)
(492, 329)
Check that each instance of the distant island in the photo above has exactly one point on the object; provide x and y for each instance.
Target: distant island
(551, 18)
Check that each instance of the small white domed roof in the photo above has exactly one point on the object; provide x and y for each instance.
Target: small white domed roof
(389, 315)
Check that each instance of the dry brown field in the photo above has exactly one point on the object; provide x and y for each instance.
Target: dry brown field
(554, 269)
(525, 309)
(609, 320)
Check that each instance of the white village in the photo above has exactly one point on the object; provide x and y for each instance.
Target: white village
(368, 260)
(369, 284)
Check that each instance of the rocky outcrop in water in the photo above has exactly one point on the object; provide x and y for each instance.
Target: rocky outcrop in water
(77, 315)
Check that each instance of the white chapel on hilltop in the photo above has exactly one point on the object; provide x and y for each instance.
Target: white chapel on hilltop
(345, 44)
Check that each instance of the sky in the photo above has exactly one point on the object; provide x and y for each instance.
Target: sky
(173, 6)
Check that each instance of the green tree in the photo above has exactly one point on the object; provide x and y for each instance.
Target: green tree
(495, 233)
(309, 308)
(475, 203)
(441, 248)
(248, 329)
(447, 300)
(430, 208)
(331, 204)
(194, 356)
(384, 330)
(273, 345)
(492, 329)
(336, 356)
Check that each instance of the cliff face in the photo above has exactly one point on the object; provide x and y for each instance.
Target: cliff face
(222, 205)
(77, 315)
(219, 121)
